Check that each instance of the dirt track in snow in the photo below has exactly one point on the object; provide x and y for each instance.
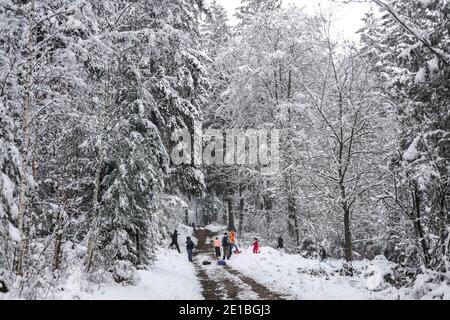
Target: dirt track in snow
(223, 282)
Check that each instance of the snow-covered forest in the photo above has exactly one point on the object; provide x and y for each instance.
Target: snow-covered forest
(92, 92)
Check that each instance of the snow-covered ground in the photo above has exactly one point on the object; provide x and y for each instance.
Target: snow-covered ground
(300, 278)
(292, 275)
(172, 277)
(216, 228)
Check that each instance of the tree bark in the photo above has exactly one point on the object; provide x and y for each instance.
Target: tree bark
(25, 147)
(419, 229)
(231, 225)
(94, 215)
(241, 210)
(348, 251)
(58, 252)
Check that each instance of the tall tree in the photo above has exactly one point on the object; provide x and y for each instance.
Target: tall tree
(410, 49)
(9, 187)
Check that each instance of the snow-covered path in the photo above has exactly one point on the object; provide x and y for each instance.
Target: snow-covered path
(224, 282)
(273, 275)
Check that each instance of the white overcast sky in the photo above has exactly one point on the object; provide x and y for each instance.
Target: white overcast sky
(347, 17)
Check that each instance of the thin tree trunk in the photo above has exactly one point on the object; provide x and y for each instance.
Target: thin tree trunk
(291, 211)
(224, 215)
(348, 251)
(25, 147)
(94, 215)
(419, 229)
(59, 235)
(241, 210)
(58, 244)
(138, 246)
(231, 225)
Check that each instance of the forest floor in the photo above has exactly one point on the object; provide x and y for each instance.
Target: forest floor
(224, 282)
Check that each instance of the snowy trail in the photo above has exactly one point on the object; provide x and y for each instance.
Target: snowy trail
(172, 277)
(224, 282)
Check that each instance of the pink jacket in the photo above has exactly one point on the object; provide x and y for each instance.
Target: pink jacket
(217, 243)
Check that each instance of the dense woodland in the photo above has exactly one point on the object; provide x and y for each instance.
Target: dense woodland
(91, 92)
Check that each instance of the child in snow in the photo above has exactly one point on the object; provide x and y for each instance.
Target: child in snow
(217, 247)
(189, 248)
(255, 245)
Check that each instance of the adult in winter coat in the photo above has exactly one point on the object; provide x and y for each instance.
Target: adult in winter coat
(225, 246)
(280, 243)
(175, 241)
(232, 239)
(217, 247)
(189, 248)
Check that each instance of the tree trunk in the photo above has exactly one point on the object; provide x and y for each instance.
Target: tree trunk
(196, 213)
(224, 215)
(94, 215)
(230, 214)
(241, 210)
(186, 216)
(58, 252)
(419, 229)
(291, 211)
(293, 221)
(138, 246)
(348, 251)
(25, 147)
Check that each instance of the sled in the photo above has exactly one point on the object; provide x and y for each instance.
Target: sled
(221, 263)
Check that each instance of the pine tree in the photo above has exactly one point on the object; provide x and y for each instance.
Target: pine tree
(250, 8)
(9, 183)
(157, 66)
(410, 48)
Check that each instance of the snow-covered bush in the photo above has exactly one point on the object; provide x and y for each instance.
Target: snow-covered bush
(125, 273)
(382, 274)
(379, 274)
